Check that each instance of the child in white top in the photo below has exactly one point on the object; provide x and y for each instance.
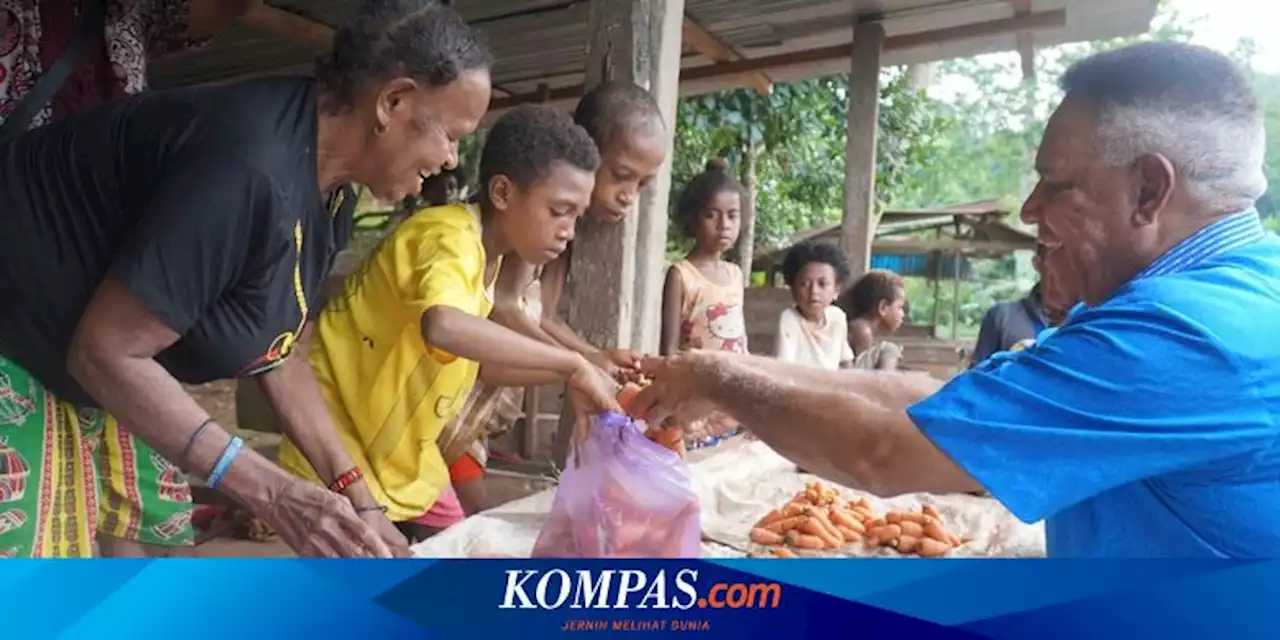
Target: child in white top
(814, 332)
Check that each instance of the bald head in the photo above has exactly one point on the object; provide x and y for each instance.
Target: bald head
(615, 109)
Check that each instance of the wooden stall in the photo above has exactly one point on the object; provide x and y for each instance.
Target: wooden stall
(935, 244)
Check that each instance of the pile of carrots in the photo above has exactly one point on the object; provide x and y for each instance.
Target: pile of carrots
(818, 518)
(670, 437)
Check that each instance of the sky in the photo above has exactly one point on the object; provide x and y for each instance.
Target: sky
(1221, 23)
(1218, 24)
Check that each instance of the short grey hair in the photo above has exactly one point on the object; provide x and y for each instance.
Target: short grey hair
(1190, 104)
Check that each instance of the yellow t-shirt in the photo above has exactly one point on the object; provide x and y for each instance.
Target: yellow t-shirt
(390, 393)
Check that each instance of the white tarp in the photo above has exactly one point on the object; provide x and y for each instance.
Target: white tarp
(737, 487)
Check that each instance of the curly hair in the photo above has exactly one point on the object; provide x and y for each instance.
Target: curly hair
(702, 189)
(422, 39)
(813, 251)
(527, 140)
(615, 108)
(876, 286)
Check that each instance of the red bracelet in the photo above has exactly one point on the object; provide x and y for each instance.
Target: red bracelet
(345, 480)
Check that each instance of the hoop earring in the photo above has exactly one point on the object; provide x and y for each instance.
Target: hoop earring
(379, 129)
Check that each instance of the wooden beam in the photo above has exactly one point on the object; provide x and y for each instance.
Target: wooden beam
(700, 39)
(288, 25)
(924, 245)
(1054, 19)
(1026, 48)
(858, 225)
(613, 296)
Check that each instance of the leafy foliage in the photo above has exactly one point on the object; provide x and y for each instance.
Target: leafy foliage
(797, 137)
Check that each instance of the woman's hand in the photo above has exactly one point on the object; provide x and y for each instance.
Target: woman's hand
(391, 536)
(316, 522)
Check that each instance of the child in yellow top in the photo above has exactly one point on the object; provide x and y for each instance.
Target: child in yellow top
(397, 352)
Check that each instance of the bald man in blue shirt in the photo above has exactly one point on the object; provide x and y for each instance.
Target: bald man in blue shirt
(1145, 426)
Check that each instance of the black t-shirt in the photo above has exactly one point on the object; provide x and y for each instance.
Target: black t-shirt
(204, 202)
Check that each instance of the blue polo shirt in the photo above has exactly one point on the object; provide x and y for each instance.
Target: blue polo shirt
(1145, 426)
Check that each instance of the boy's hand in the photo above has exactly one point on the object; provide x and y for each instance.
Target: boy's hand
(622, 364)
(594, 393)
(623, 358)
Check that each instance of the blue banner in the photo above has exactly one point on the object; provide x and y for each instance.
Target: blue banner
(526, 599)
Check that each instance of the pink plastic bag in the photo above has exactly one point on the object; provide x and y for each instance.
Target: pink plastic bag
(629, 498)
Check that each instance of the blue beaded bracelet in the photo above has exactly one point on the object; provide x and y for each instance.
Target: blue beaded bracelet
(228, 456)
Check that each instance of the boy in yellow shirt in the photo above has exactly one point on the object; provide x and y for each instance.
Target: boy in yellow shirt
(397, 352)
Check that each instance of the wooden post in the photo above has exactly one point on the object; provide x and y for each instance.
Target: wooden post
(858, 226)
(614, 291)
(666, 25)
(747, 235)
(955, 295)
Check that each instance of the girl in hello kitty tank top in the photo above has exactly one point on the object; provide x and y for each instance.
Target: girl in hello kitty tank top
(703, 295)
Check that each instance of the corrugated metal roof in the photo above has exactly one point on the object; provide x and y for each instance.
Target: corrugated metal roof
(545, 40)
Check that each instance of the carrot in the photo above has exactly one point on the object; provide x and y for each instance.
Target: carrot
(772, 516)
(786, 524)
(627, 395)
(907, 544)
(872, 524)
(912, 529)
(848, 534)
(820, 515)
(930, 548)
(863, 514)
(864, 503)
(814, 528)
(793, 509)
(964, 540)
(803, 541)
(841, 518)
(670, 438)
(907, 516)
(781, 552)
(887, 532)
(928, 510)
(764, 536)
(935, 531)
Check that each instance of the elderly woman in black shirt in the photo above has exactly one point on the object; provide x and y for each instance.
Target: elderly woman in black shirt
(184, 237)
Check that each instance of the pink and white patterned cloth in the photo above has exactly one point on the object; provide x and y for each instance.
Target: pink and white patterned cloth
(35, 33)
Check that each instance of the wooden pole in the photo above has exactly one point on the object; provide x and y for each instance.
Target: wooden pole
(747, 235)
(858, 226)
(613, 296)
(955, 295)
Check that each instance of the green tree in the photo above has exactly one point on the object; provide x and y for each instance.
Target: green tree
(794, 141)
